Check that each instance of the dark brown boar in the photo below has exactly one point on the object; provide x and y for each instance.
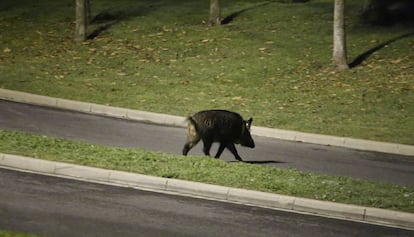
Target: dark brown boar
(222, 126)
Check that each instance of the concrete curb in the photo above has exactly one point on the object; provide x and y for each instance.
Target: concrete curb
(172, 120)
(208, 191)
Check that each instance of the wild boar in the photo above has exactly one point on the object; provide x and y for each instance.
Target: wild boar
(222, 126)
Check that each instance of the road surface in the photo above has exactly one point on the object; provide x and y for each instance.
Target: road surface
(52, 206)
(372, 166)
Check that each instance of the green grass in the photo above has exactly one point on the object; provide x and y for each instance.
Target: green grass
(208, 170)
(4, 233)
(272, 62)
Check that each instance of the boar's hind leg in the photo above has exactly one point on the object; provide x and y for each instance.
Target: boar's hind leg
(190, 144)
(220, 150)
(207, 146)
(192, 138)
(233, 150)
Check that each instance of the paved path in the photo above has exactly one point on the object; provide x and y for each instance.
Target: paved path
(53, 206)
(374, 166)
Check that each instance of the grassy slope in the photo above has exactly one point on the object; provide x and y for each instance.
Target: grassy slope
(272, 62)
(208, 170)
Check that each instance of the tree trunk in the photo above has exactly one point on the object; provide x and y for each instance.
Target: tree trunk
(88, 12)
(339, 36)
(81, 20)
(215, 15)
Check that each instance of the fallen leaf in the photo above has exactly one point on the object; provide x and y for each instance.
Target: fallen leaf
(396, 61)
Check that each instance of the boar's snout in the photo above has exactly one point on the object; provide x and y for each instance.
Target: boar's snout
(246, 138)
(250, 144)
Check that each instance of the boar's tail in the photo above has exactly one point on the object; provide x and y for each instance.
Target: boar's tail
(193, 123)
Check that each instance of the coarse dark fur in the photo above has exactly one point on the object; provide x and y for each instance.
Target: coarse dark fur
(222, 126)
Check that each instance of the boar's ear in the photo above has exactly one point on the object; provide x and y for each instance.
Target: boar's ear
(249, 123)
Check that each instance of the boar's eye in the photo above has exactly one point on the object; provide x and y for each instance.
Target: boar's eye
(249, 124)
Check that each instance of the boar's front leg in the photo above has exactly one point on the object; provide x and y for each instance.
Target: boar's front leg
(233, 150)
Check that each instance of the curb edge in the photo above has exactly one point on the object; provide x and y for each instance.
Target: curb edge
(210, 191)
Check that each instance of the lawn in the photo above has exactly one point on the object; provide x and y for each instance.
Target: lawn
(213, 171)
(271, 62)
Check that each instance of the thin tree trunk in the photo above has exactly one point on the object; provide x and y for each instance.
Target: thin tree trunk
(339, 36)
(215, 15)
(88, 12)
(81, 20)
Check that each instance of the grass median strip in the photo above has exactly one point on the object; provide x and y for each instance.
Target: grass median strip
(208, 170)
(4, 233)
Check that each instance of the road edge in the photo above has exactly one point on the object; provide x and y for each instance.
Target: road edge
(171, 120)
(208, 191)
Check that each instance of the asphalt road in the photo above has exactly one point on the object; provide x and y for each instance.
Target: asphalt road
(52, 206)
(373, 166)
